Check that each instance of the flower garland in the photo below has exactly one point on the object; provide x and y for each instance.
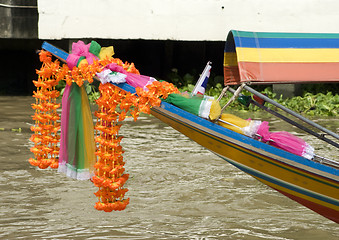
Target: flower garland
(46, 137)
(109, 175)
(114, 105)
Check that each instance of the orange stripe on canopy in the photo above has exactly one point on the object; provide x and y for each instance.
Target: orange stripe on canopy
(281, 72)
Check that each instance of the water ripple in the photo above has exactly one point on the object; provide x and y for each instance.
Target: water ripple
(178, 190)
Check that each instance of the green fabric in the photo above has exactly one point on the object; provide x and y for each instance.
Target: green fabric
(95, 48)
(80, 59)
(189, 104)
(73, 126)
(80, 147)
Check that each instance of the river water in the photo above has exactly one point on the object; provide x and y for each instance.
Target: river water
(178, 190)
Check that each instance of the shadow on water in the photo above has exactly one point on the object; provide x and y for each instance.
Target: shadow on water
(178, 190)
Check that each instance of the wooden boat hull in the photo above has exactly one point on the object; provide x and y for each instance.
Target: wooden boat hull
(304, 181)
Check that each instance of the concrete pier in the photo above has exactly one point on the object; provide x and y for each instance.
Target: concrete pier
(287, 90)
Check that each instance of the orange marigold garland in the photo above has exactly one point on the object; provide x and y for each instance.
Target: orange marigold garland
(109, 175)
(114, 105)
(46, 127)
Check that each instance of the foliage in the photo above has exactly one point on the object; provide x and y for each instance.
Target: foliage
(320, 88)
(91, 90)
(316, 100)
(314, 104)
(318, 104)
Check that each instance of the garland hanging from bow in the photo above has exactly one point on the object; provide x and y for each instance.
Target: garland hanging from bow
(114, 105)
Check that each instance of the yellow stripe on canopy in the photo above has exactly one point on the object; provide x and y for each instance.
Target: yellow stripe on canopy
(230, 59)
(287, 55)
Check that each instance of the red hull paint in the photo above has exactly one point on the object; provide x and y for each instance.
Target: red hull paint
(324, 211)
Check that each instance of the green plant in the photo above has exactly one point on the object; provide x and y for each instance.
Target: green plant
(309, 104)
(319, 102)
(91, 90)
(314, 104)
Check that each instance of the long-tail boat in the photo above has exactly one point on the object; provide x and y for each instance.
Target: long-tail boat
(268, 58)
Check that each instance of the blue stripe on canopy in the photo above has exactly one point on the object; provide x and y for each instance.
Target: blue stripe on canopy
(250, 42)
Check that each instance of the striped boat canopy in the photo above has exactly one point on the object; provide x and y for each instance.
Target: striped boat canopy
(267, 57)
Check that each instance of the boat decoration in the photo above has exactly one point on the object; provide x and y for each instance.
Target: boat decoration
(310, 179)
(201, 85)
(46, 127)
(78, 157)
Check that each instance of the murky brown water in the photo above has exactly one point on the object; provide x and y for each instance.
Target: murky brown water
(178, 190)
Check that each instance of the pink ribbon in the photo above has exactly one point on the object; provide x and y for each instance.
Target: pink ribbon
(80, 49)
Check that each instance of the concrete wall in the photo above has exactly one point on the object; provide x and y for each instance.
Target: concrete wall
(19, 19)
(18, 45)
(182, 19)
(134, 28)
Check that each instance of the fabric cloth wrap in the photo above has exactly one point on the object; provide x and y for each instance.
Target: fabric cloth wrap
(135, 80)
(80, 51)
(259, 129)
(107, 75)
(77, 147)
(200, 106)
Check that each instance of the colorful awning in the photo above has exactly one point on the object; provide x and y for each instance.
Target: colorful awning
(267, 57)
